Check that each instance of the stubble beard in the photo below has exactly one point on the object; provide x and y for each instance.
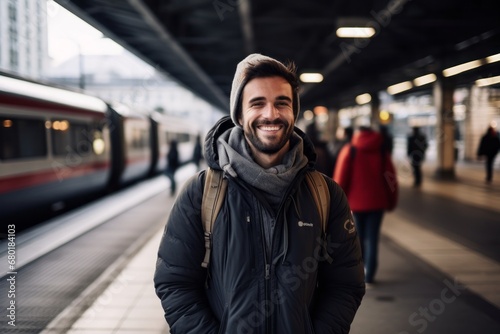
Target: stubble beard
(268, 148)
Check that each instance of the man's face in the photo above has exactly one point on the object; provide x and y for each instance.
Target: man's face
(267, 115)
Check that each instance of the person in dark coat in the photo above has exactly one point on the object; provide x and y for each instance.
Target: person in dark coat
(324, 159)
(197, 152)
(272, 269)
(415, 150)
(370, 190)
(489, 147)
(344, 140)
(173, 163)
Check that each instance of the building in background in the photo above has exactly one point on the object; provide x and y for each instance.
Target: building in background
(124, 78)
(23, 37)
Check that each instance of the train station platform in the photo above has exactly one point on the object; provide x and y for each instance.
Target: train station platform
(439, 267)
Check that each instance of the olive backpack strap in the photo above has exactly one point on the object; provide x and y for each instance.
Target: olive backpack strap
(214, 192)
(321, 195)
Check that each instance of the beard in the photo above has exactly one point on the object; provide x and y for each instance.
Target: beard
(274, 143)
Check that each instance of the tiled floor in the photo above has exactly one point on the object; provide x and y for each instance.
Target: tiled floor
(129, 304)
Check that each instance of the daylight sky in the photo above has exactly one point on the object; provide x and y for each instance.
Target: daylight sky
(68, 34)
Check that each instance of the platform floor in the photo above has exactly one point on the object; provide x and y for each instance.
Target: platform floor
(427, 281)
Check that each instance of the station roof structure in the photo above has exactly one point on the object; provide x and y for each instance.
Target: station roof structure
(200, 42)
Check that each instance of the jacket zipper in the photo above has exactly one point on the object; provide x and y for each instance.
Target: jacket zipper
(267, 273)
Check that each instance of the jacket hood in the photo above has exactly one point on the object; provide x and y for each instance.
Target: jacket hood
(240, 80)
(225, 123)
(367, 140)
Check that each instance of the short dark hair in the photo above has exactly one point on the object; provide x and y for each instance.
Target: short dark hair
(269, 68)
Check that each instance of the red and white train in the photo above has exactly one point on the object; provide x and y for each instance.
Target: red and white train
(58, 145)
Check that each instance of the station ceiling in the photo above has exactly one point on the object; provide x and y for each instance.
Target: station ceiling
(200, 42)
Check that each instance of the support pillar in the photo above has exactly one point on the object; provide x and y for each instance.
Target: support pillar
(375, 111)
(445, 128)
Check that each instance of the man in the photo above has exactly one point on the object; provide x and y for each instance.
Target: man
(272, 271)
(415, 149)
(371, 191)
(489, 147)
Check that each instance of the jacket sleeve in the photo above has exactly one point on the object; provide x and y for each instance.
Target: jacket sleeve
(340, 283)
(179, 278)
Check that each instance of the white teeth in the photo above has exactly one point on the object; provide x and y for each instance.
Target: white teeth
(270, 128)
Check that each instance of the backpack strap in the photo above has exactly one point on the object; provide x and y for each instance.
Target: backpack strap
(214, 192)
(321, 194)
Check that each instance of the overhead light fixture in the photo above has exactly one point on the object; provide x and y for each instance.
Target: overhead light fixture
(488, 81)
(400, 87)
(492, 59)
(462, 68)
(424, 80)
(355, 32)
(363, 98)
(320, 110)
(311, 77)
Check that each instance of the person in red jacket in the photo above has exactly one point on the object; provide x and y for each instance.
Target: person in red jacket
(366, 173)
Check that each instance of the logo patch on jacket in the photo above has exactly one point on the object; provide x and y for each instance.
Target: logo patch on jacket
(302, 224)
(349, 226)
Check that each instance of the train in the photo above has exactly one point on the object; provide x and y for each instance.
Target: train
(59, 147)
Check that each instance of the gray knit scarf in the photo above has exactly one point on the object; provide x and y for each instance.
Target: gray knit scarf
(235, 158)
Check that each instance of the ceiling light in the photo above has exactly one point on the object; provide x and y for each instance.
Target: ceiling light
(488, 81)
(461, 68)
(425, 79)
(320, 110)
(355, 32)
(311, 77)
(400, 87)
(492, 59)
(363, 98)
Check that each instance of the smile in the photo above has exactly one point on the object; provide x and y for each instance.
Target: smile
(269, 127)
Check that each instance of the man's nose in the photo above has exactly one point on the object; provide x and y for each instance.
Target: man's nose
(271, 112)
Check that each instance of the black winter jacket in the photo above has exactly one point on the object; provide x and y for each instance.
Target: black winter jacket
(294, 290)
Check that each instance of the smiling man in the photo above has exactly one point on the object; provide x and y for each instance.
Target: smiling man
(273, 268)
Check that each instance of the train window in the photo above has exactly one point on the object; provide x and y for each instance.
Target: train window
(180, 137)
(70, 138)
(139, 138)
(183, 137)
(22, 138)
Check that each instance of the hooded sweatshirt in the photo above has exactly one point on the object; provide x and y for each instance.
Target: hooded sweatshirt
(366, 173)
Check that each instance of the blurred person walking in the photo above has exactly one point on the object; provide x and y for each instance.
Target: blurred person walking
(415, 150)
(173, 163)
(489, 147)
(340, 143)
(324, 159)
(366, 173)
(197, 152)
(268, 268)
(388, 138)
